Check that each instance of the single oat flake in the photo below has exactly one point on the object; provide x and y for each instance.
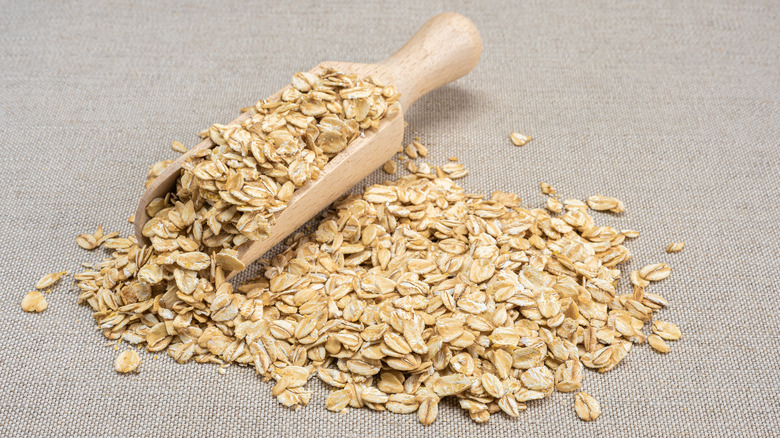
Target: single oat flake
(127, 361)
(87, 241)
(605, 203)
(587, 408)
(389, 167)
(519, 139)
(658, 344)
(554, 205)
(655, 272)
(546, 188)
(49, 280)
(176, 146)
(667, 330)
(34, 302)
(675, 247)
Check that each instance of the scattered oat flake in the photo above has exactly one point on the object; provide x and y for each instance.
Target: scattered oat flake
(666, 330)
(411, 150)
(49, 280)
(675, 247)
(127, 361)
(658, 344)
(631, 234)
(422, 150)
(546, 188)
(655, 272)
(178, 147)
(605, 203)
(34, 302)
(131, 219)
(389, 167)
(87, 241)
(554, 205)
(587, 407)
(519, 139)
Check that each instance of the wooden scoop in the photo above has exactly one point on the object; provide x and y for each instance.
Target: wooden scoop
(446, 47)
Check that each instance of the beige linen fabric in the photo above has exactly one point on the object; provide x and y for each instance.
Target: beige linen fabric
(673, 107)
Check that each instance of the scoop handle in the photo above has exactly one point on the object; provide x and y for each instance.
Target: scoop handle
(446, 47)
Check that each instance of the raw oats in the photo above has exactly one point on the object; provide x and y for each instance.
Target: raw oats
(49, 280)
(656, 272)
(408, 292)
(519, 139)
(34, 302)
(178, 147)
(586, 406)
(428, 410)
(658, 344)
(411, 150)
(666, 330)
(631, 234)
(605, 203)
(389, 167)
(87, 241)
(127, 361)
(554, 205)
(422, 150)
(675, 247)
(256, 166)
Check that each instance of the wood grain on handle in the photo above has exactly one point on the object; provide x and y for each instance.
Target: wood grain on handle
(446, 47)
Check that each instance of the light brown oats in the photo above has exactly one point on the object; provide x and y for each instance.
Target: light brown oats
(176, 146)
(519, 139)
(658, 344)
(586, 406)
(411, 150)
(389, 167)
(428, 410)
(655, 272)
(631, 234)
(127, 361)
(666, 330)
(409, 292)
(675, 247)
(554, 205)
(605, 203)
(49, 280)
(422, 150)
(87, 241)
(34, 302)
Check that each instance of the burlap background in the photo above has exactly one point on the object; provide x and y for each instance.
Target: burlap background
(670, 106)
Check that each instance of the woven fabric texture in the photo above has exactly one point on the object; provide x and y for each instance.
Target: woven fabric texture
(673, 107)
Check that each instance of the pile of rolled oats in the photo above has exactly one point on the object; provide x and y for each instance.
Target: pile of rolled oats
(404, 294)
